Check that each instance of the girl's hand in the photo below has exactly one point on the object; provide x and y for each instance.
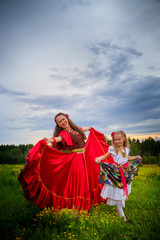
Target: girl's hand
(139, 158)
(98, 160)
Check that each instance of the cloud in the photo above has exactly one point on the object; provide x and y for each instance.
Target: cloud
(157, 138)
(117, 59)
(109, 61)
(70, 3)
(135, 98)
(114, 91)
(7, 91)
(144, 127)
(60, 101)
(128, 104)
(96, 60)
(105, 86)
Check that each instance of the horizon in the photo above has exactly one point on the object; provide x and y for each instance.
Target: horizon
(155, 137)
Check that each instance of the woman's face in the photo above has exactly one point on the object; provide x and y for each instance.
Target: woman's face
(118, 139)
(62, 122)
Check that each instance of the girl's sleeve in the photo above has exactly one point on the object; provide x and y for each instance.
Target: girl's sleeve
(127, 151)
(111, 150)
(66, 138)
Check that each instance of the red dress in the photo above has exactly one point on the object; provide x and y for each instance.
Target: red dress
(62, 178)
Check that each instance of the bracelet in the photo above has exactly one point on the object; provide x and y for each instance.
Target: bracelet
(54, 140)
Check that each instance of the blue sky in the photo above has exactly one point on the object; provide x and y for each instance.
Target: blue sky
(97, 60)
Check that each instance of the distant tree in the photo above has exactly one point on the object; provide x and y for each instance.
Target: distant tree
(134, 148)
(12, 154)
(28, 147)
(139, 145)
(149, 147)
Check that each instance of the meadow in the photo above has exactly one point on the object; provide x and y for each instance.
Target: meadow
(22, 220)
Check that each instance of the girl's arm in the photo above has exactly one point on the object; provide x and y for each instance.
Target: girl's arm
(130, 158)
(53, 139)
(84, 129)
(99, 159)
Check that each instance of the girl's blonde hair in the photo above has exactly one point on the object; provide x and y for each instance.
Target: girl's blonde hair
(125, 143)
(57, 129)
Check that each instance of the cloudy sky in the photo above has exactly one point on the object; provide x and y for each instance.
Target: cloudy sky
(97, 60)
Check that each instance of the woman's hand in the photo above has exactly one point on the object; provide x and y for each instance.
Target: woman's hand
(84, 129)
(53, 140)
(48, 140)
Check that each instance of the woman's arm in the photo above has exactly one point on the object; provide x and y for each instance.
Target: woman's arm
(130, 158)
(84, 129)
(53, 139)
(99, 159)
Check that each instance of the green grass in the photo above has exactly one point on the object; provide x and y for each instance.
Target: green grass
(20, 219)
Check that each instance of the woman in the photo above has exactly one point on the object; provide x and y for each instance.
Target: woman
(64, 175)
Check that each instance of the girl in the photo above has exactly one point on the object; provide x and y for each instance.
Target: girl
(117, 177)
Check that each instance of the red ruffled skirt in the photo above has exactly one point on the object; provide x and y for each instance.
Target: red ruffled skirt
(56, 179)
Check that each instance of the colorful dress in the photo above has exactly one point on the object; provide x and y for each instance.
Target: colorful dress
(65, 176)
(117, 177)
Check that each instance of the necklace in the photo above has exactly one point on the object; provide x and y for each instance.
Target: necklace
(71, 131)
(123, 153)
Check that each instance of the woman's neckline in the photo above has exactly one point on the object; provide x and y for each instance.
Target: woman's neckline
(71, 131)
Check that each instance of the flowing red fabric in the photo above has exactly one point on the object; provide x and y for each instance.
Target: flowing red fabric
(52, 178)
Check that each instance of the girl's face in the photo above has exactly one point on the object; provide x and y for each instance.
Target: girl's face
(118, 140)
(62, 122)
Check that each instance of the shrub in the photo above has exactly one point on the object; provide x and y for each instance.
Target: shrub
(153, 160)
(145, 159)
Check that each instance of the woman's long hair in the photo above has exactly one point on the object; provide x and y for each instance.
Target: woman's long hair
(58, 129)
(125, 143)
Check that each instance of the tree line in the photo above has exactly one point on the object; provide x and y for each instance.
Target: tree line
(12, 154)
(149, 149)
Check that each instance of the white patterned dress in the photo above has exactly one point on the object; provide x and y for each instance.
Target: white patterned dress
(113, 194)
